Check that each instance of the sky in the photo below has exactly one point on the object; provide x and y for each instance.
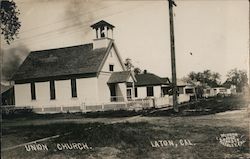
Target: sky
(209, 34)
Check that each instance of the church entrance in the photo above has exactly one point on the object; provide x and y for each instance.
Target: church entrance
(112, 88)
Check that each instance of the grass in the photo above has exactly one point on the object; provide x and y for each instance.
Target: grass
(95, 134)
(77, 115)
(206, 106)
(203, 107)
(131, 140)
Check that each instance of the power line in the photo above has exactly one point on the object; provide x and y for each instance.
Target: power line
(176, 0)
(48, 33)
(58, 30)
(60, 21)
(69, 18)
(81, 27)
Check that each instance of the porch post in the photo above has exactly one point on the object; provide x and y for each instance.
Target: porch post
(133, 90)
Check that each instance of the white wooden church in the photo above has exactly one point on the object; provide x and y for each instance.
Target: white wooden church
(85, 77)
(86, 74)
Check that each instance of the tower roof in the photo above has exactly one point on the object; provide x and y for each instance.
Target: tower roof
(101, 24)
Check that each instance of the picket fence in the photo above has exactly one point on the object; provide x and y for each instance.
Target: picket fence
(137, 104)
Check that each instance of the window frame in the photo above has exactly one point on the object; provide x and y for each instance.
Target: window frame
(33, 90)
(52, 90)
(150, 91)
(111, 66)
(73, 88)
(136, 92)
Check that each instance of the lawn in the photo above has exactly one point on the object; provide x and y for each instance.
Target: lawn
(133, 134)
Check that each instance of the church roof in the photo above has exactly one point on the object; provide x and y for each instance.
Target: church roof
(75, 60)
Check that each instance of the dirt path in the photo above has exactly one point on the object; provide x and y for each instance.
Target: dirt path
(237, 118)
(206, 126)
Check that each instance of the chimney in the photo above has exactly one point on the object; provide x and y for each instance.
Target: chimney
(104, 34)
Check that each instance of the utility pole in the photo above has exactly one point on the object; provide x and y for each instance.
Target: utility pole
(249, 44)
(171, 3)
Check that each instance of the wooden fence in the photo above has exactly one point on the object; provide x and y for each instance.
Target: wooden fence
(137, 104)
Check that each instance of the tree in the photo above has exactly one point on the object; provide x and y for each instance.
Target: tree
(11, 60)
(205, 78)
(238, 78)
(10, 23)
(137, 70)
(201, 80)
(130, 67)
(128, 64)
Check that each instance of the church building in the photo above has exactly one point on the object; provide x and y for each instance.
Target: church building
(88, 74)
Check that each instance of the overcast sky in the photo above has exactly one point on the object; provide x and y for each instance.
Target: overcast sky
(216, 32)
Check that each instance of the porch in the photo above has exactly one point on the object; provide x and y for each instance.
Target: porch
(121, 86)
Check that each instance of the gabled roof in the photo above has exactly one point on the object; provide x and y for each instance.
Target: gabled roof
(5, 88)
(119, 77)
(181, 82)
(149, 79)
(111, 44)
(81, 59)
(102, 23)
(165, 79)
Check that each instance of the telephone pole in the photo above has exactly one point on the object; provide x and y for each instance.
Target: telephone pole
(171, 3)
(249, 44)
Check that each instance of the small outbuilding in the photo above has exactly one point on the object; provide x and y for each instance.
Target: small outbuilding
(150, 85)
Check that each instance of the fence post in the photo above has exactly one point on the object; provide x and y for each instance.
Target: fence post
(83, 107)
(126, 105)
(102, 106)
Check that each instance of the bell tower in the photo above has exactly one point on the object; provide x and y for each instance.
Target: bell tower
(104, 34)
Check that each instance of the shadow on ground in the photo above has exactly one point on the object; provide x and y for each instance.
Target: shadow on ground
(202, 107)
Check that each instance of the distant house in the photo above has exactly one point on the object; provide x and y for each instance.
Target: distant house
(185, 87)
(185, 90)
(150, 85)
(87, 74)
(210, 92)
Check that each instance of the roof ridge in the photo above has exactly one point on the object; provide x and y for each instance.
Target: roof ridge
(80, 59)
(120, 71)
(60, 48)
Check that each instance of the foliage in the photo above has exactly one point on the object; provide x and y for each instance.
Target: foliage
(130, 67)
(128, 64)
(199, 91)
(137, 70)
(236, 77)
(10, 23)
(205, 78)
(12, 59)
(202, 80)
